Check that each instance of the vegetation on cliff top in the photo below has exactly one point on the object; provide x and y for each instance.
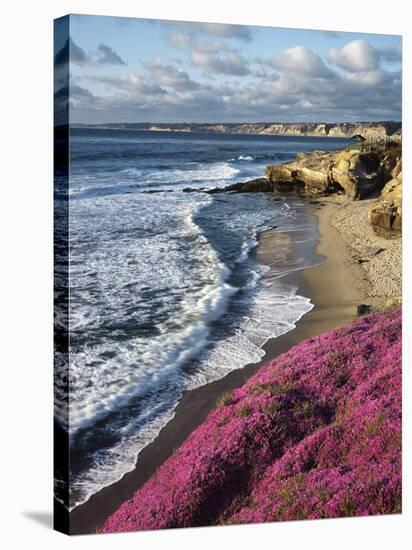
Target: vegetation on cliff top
(314, 434)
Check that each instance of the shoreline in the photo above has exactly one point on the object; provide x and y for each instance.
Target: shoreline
(160, 130)
(319, 129)
(318, 282)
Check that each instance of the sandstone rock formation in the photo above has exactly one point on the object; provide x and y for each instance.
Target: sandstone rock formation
(370, 131)
(308, 175)
(354, 173)
(385, 215)
(357, 174)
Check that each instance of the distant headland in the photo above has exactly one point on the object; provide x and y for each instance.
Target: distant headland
(369, 130)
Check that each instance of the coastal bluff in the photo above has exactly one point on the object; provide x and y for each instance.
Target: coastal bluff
(372, 171)
(356, 173)
(370, 130)
(386, 215)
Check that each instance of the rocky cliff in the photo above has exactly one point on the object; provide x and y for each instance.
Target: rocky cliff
(357, 173)
(370, 130)
(365, 172)
(385, 215)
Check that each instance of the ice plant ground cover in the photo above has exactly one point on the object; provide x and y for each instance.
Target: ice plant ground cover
(314, 434)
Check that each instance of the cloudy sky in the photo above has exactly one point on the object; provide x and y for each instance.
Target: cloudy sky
(137, 70)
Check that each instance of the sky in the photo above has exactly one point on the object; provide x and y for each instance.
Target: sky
(144, 70)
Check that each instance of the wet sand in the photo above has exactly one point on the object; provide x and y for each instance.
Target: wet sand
(335, 286)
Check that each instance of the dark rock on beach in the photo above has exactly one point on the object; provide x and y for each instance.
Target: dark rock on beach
(258, 185)
(193, 189)
(364, 309)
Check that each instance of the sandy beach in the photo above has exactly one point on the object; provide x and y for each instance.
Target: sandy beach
(380, 259)
(336, 287)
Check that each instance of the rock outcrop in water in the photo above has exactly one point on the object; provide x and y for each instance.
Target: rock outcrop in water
(359, 173)
(258, 185)
(356, 173)
(314, 434)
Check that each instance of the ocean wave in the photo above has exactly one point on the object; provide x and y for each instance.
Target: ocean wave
(166, 296)
(112, 364)
(259, 157)
(248, 158)
(248, 244)
(232, 353)
(275, 310)
(190, 172)
(132, 180)
(272, 307)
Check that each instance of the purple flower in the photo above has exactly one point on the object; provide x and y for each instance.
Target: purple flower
(315, 433)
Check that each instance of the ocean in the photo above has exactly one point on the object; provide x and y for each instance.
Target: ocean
(165, 290)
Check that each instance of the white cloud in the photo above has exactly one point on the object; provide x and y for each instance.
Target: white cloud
(168, 75)
(108, 56)
(356, 56)
(74, 54)
(185, 41)
(391, 54)
(213, 57)
(302, 61)
(294, 85)
(237, 32)
(229, 62)
(141, 86)
(369, 78)
(228, 31)
(362, 65)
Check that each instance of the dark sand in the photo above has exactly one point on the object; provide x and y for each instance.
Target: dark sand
(335, 289)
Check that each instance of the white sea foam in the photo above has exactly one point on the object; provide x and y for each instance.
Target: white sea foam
(132, 366)
(248, 244)
(247, 158)
(189, 173)
(141, 364)
(275, 310)
(141, 260)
